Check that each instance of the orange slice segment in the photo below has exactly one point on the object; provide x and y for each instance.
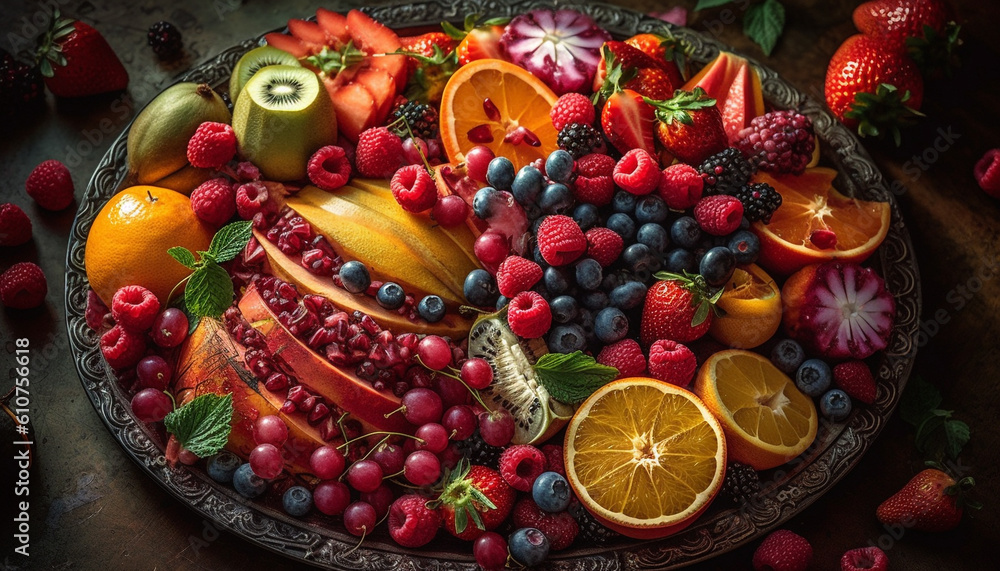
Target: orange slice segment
(751, 309)
(816, 223)
(645, 457)
(500, 105)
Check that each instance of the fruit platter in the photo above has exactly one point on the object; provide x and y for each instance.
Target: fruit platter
(564, 286)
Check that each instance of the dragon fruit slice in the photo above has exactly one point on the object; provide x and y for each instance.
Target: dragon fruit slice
(838, 310)
(562, 48)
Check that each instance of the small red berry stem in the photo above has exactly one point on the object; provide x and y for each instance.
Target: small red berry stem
(474, 392)
(387, 433)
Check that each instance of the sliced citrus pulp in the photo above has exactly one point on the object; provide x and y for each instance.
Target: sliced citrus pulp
(816, 223)
(767, 420)
(495, 103)
(751, 306)
(645, 457)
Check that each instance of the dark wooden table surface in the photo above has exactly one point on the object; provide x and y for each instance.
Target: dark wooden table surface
(91, 507)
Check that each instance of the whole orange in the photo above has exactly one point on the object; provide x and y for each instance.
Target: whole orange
(129, 239)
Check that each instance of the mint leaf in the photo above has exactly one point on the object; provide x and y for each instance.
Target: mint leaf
(202, 426)
(764, 23)
(572, 377)
(230, 240)
(956, 435)
(209, 292)
(702, 4)
(182, 255)
(919, 398)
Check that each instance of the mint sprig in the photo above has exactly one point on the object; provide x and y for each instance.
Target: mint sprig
(209, 289)
(572, 377)
(763, 22)
(202, 426)
(938, 432)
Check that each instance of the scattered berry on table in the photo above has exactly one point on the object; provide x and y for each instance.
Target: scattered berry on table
(379, 153)
(50, 185)
(672, 362)
(759, 201)
(681, 186)
(520, 465)
(529, 315)
(783, 550)
(222, 467)
(328, 168)
(21, 86)
(528, 546)
(297, 501)
(23, 286)
(214, 201)
(411, 523)
(779, 141)
(787, 356)
(135, 307)
(572, 108)
(987, 172)
(165, 39)
(741, 484)
(551, 492)
(813, 377)
(855, 379)
(15, 226)
(719, 215)
(725, 172)
(212, 145)
(835, 405)
(864, 559)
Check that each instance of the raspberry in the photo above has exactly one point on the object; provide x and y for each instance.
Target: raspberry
(15, 226)
(783, 550)
(97, 314)
(719, 214)
(212, 145)
(23, 286)
(413, 188)
(251, 198)
(122, 347)
(51, 185)
(560, 528)
(520, 465)
(637, 172)
(672, 362)
(528, 315)
(516, 274)
(560, 240)
(987, 172)
(681, 186)
(855, 379)
(604, 245)
(597, 190)
(779, 141)
(379, 153)
(595, 165)
(411, 522)
(626, 356)
(865, 558)
(554, 459)
(134, 307)
(247, 171)
(329, 168)
(572, 108)
(214, 201)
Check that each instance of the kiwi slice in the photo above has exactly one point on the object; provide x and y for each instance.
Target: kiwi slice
(252, 62)
(282, 117)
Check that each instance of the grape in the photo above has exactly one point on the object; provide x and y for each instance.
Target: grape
(450, 456)
(364, 475)
(477, 161)
(170, 328)
(460, 422)
(327, 462)
(434, 352)
(450, 211)
(490, 551)
(496, 427)
(414, 149)
(422, 468)
(421, 406)
(452, 391)
(389, 456)
(331, 497)
(270, 429)
(154, 372)
(434, 436)
(380, 499)
(491, 248)
(151, 405)
(477, 373)
(266, 461)
(359, 518)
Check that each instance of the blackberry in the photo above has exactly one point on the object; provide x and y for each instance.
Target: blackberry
(741, 483)
(165, 39)
(20, 85)
(591, 531)
(580, 139)
(479, 452)
(779, 141)
(725, 172)
(759, 200)
(422, 119)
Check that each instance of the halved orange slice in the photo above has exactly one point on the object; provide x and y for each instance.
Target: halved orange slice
(751, 309)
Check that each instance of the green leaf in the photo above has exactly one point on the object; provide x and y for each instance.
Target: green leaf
(182, 255)
(703, 4)
(919, 398)
(764, 23)
(230, 240)
(956, 435)
(701, 314)
(202, 426)
(209, 292)
(498, 21)
(452, 32)
(931, 424)
(572, 377)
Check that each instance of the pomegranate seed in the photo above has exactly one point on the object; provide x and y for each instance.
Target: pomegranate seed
(823, 239)
(328, 429)
(308, 404)
(318, 413)
(491, 110)
(276, 382)
(480, 134)
(297, 394)
(288, 407)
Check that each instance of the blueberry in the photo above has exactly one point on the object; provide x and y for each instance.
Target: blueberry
(564, 309)
(594, 300)
(628, 295)
(221, 466)
(787, 355)
(653, 235)
(586, 216)
(559, 165)
(623, 225)
(651, 208)
(585, 319)
(813, 377)
(556, 280)
(248, 484)
(533, 212)
(355, 277)
(624, 202)
(717, 266)
(528, 546)
(612, 280)
(685, 232)
(431, 308)
(641, 260)
(835, 405)
(745, 246)
(589, 274)
(297, 500)
(679, 260)
(551, 492)
(390, 295)
(500, 173)
(480, 288)
(567, 338)
(556, 199)
(527, 185)
(482, 202)
(744, 223)
(610, 325)
(536, 252)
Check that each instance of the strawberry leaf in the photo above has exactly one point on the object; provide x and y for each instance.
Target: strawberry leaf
(764, 24)
(703, 4)
(956, 435)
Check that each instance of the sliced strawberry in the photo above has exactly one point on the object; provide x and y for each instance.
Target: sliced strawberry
(629, 122)
(380, 85)
(309, 33)
(356, 108)
(334, 24)
(480, 43)
(287, 43)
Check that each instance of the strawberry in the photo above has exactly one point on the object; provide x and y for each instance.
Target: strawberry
(77, 61)
(931, 501)
(477, 40)
(896, 20)
(872, 88)
(432, 62)
(475, 493)
(678, 308)
(669, 53)
(628, 121)
(625, 67)
(690, 126)
(855, 379)
(427, 44)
